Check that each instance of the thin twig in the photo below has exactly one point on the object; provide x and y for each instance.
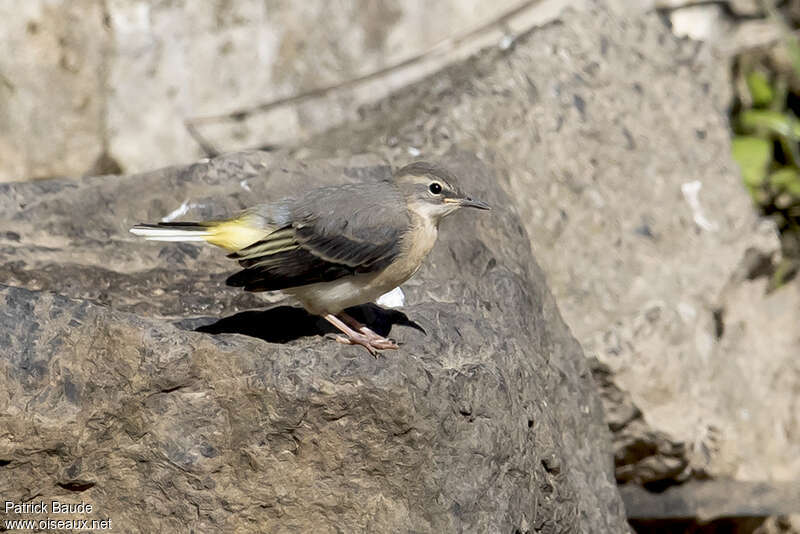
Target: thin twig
(438, 49)
(208, 148)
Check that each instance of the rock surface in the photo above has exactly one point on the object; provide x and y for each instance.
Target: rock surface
(490, 422)
(609, 136)
(713, 499)
(614, 141)
(97, 85)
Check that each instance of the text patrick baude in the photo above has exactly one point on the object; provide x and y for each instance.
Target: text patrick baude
(52, 507)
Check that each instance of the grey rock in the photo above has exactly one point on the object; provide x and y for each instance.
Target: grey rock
(83, 83)
(51, 71)
(612, 140)
(131, 379)
(746, 8)
(714, 499)
(642, 455)
(781, 524)
(732, 28)
(759, 345)
(701, 22)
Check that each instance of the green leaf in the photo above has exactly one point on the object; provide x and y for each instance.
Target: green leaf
(782, 274)
(783, 124)
(760, 90)
(779, 178)
(753, 154)
(786, 179)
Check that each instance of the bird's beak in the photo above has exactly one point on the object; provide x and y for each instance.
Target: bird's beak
(467, 202)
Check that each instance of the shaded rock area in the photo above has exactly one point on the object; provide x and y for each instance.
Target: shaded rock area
(133, 380)
(714, 506)
(642, 456)
(614, 139)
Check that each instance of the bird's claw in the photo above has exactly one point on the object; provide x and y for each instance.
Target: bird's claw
(384, 344)
(378, 341)
(359, 334)
(372, 344)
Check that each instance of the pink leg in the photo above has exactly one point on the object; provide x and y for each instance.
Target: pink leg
(353, 337)
(376, 340)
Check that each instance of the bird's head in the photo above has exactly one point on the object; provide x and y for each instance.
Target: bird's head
(431, 191)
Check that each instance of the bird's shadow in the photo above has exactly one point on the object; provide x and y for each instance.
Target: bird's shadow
(283, 324)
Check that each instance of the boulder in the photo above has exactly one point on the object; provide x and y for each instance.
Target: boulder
(132, 379)
(97, 86)
(721, 505)
(612, 140)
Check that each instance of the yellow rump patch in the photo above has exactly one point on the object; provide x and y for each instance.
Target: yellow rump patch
(235, 234)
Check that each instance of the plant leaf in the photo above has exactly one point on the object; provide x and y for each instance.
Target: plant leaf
(760, 90)
(786, 179)
(783, 124)
(753, 154)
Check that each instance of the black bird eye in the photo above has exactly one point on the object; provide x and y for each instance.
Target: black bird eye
(435, 188)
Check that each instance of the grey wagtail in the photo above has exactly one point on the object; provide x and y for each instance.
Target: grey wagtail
(334, 247)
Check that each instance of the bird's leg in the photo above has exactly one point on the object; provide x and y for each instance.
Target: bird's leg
(377, 340)
(353, 337)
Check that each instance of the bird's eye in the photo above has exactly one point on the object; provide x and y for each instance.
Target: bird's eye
(435, 188)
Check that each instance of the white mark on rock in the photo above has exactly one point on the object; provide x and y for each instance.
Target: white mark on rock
(700, 23)
(687, 312)
(506, 42)
(393, 299)
(691, 192)
(413, 151)
(245, 185)
(595, 198)
(181, 210)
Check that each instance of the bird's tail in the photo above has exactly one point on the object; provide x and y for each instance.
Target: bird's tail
(231, 234)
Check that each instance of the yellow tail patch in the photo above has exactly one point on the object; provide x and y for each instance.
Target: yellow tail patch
(235, 234)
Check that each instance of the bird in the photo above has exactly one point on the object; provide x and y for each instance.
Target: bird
(334, 247)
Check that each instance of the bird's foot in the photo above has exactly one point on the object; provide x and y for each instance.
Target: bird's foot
(377, 340)
(363, 336)
(373, 345)
(364, 341)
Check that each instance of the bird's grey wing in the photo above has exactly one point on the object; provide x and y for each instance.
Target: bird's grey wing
(335, 231)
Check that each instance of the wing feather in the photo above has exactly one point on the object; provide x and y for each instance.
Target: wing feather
(335, 232)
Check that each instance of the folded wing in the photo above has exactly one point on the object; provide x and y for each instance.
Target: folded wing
(334, 232)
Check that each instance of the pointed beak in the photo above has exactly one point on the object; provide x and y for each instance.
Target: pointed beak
(467, 202)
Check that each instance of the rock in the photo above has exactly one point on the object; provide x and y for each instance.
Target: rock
(732, 28)
(746, 8)
(706, 22)
(120, 78)
(132, 380)
(711, 500)
(46, 45)
(741, 8)
(780, 525)
(612, 140)
(641, 455)
(759, 345)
